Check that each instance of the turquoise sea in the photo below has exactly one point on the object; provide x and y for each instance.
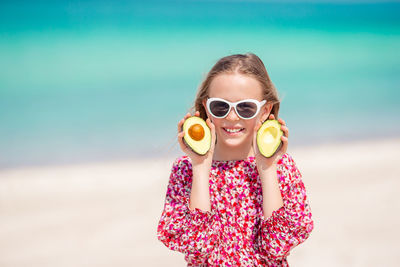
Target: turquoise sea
(104, 80)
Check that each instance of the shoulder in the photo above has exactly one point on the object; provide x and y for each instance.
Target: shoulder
(181, 170)
(287, 169)
(286, 161)
(182, 162)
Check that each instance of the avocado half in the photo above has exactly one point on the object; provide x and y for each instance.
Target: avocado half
(269, 138)
(197, 135)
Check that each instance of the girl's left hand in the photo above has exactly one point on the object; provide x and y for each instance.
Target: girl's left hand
(262, 162)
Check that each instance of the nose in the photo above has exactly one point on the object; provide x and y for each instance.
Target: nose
(232, 116)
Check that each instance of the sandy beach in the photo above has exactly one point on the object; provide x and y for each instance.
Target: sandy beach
(106, 214)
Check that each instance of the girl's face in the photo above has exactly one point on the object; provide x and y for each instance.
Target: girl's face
(232, 131)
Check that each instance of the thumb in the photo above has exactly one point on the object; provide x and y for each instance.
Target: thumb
(213, 135)
(256, 128)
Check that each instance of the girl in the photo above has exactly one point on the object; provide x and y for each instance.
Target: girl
(233, 206)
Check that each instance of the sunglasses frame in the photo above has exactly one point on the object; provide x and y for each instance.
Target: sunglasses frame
(233, 105)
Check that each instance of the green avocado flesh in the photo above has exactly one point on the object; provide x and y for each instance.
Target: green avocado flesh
(197, 135)
(269, 137)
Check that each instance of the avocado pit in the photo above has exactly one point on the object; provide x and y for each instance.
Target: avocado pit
(196, 132)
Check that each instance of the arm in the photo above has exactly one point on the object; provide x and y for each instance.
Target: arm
(267, 169)
(291, 224)
(201, 165)
(200, 192)
(272, 198)
(180, 228)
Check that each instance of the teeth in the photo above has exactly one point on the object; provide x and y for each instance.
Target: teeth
(233, 130)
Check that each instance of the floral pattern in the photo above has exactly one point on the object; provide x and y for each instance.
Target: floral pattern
(235, 232)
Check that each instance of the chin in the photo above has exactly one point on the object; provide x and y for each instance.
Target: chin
(234, 142)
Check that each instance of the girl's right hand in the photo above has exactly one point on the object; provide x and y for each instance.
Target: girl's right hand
(196, 158)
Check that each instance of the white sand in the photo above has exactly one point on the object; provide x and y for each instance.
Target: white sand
(106, 214)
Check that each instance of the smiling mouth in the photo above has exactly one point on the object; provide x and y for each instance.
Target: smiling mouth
(233, 130)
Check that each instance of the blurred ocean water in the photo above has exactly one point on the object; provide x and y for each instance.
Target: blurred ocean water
(104, 80)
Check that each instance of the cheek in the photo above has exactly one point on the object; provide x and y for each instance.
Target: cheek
(251, 124)
(216, 122)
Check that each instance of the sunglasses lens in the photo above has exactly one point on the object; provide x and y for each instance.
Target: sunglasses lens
(246, 109)
(219, 108)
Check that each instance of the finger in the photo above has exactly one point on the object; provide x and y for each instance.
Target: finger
(197, 113)
(271, 116)
(183, 146)
(255, 147)
(285, 130)
(282, 122)
(213, 135)
(258, 125)
(180, 123)
(211, 126)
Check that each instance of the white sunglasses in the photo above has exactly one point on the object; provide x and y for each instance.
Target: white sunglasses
(245, 109)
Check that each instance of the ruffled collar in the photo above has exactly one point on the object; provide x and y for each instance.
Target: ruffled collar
(232, 163)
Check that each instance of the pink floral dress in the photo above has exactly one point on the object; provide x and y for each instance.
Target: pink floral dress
(235, 232)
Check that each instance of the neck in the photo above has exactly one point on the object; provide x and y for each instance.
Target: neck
(223, 152)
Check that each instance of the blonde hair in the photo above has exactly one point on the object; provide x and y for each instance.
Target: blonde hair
(246, 64)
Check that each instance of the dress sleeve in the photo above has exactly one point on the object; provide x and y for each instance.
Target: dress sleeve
(291, 224)
(181, 229)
